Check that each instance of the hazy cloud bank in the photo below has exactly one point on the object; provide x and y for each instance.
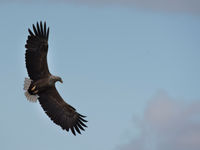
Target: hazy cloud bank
(188, 6)
(168, 124)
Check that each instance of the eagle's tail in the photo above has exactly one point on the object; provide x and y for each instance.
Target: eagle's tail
(31, 98)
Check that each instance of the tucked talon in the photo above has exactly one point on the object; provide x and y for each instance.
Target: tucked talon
(33, 88)
(35, 92)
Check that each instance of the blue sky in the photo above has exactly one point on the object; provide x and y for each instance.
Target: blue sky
(132, 70)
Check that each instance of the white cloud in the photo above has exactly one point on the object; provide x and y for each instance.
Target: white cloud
(168, 124)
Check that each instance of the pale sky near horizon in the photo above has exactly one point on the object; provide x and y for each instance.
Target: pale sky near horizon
(134, 72)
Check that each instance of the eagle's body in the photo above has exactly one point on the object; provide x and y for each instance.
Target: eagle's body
(41, 84)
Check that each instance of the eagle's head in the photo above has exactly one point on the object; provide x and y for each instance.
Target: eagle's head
(59, 79)
(56, 78)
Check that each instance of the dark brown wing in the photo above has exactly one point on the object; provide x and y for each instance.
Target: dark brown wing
(60, 112)
(36, 52)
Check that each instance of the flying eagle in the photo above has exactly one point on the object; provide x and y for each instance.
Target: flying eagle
(41, 84)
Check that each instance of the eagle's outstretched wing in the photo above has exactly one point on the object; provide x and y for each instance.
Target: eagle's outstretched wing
(36, 52)
(60, 112)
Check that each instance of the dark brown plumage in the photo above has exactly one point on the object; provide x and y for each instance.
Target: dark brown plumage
(43, 83)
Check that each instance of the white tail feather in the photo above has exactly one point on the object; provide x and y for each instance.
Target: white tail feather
(31, 98)
(27, 83)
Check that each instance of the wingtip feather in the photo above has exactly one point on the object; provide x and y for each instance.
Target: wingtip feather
(47, 33)
(77, 129)
(39, 30)
(35, 31)
(72, 129)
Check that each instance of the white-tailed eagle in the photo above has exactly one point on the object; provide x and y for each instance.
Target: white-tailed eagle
(41, 84)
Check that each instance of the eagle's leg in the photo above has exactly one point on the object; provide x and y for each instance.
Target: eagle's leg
(38, 86)
(33, 89)
(35, 92)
